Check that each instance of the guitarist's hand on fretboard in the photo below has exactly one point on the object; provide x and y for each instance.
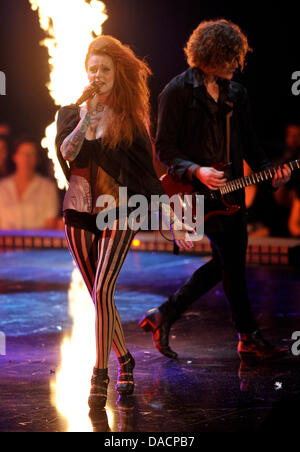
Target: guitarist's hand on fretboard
(282, 176)
(211, 177)
(218, 200)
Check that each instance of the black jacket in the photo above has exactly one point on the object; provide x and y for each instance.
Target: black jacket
(130, 167)
(184, 118)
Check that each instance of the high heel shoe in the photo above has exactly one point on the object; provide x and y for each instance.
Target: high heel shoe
(98, 395)
(254, 347)
(125, 385)
(156, 323)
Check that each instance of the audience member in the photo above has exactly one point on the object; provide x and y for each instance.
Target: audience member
(292, 143)
(294, 220)
(284, 197)
(257, 205)
(27, 199)
(5, 129)
(4, 157)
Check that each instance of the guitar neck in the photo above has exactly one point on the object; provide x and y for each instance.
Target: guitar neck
(254, 179)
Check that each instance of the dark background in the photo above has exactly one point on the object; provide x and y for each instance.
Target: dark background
(158, 30)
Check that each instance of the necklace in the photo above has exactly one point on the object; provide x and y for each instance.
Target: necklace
(100, 107)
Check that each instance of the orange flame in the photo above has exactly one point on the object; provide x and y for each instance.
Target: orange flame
(70, 27)
(70, 390)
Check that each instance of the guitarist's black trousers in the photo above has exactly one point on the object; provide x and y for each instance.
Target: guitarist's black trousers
(229, 240)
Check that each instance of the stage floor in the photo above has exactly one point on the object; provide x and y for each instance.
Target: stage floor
(205, 390)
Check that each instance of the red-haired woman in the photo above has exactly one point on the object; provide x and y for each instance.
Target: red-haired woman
(108, 146)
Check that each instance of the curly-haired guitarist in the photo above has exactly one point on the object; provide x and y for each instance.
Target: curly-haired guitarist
(204, 119)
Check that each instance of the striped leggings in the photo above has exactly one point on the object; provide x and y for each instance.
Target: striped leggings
(100, 258)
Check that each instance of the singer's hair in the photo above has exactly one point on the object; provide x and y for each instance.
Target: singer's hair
(215, 43)
(129, 112)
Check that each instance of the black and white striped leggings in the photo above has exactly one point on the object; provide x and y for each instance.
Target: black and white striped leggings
(100, 258)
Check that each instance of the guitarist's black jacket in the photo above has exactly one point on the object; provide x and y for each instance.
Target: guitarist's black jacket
(191, 132)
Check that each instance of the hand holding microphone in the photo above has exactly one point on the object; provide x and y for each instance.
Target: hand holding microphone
(88, 93)
(92, 96)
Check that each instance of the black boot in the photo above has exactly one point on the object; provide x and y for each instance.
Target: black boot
(98, 394)
(252, 346)
(125, 385)
(160, 326)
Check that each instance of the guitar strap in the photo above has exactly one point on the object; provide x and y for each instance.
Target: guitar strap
(228, 132)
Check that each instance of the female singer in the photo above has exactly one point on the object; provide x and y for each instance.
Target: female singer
(107, 144)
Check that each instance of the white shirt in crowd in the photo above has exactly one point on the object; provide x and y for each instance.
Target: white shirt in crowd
(38, 204)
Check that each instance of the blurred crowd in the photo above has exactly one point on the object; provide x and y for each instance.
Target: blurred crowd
(30, 199)
(277, 214)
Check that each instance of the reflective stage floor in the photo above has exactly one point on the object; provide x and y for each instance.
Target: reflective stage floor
(44, 376)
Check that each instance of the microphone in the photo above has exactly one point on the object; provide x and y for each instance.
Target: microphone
(94, 88)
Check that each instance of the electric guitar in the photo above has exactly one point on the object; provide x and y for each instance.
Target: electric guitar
(218, 202)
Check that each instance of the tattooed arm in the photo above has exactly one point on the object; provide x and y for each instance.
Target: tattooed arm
(86, 129)
(72, 144)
